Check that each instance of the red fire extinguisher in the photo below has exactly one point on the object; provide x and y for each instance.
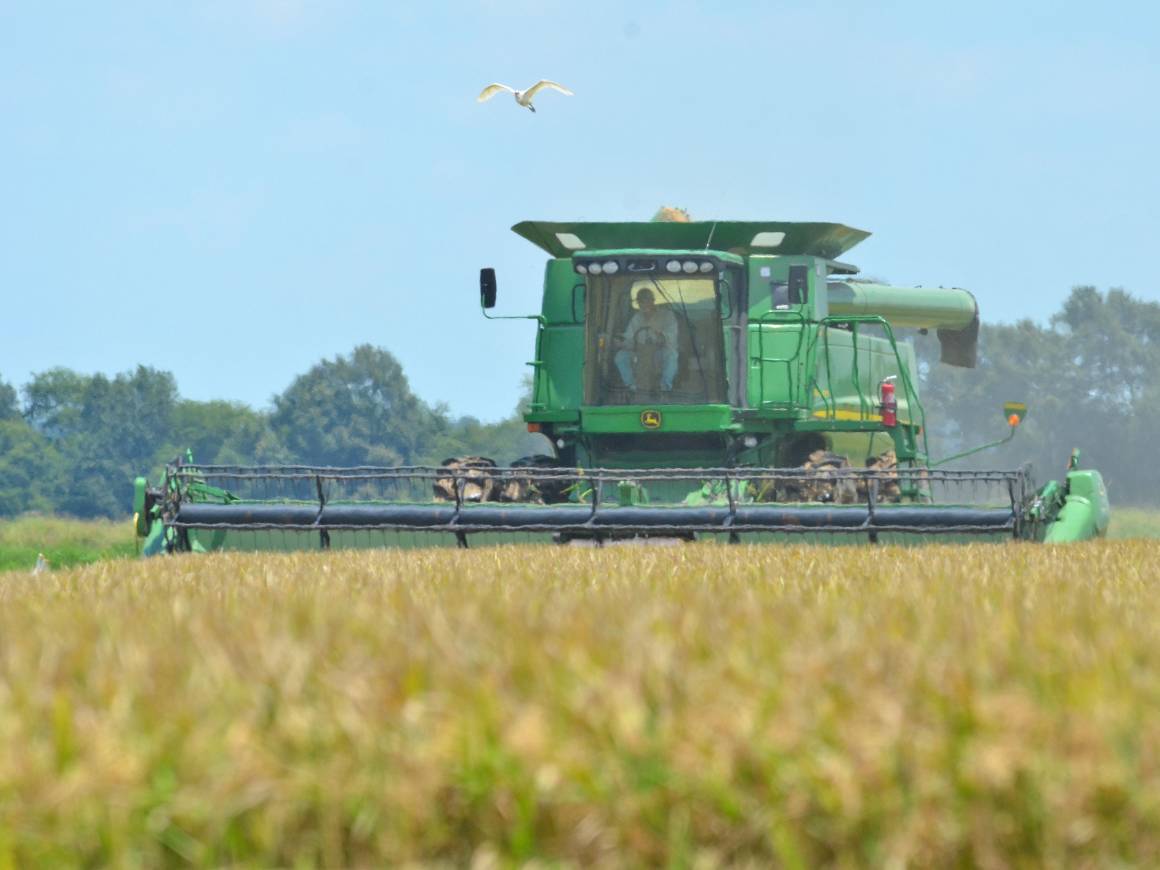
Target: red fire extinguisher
(889, 405)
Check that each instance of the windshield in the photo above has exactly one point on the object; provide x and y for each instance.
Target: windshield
(653, 340)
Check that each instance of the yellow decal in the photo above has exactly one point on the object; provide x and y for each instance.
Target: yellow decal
(843, 414)
(650, 419)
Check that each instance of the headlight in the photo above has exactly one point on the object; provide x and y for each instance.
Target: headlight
(707, 267)
(689, 266)
(593, 268)
(611, 267)
(673, 266)
(581, 268)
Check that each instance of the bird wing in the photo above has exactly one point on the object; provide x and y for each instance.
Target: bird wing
(491, 90)
(544, 83)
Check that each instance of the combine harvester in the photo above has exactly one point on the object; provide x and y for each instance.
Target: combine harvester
(695, 379)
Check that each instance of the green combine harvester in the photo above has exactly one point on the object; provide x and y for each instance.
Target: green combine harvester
(716, 379)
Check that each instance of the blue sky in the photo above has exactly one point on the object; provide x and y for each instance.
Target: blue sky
(234, 190)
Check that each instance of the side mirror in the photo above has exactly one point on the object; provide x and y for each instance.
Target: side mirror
(799, 282)
(487, 287)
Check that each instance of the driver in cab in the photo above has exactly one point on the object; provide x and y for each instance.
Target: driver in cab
(650, 329)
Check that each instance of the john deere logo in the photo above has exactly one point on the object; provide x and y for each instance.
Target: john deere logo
(650, 419)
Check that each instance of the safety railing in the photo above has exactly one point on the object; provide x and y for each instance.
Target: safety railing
(806, 348)
(866, 405)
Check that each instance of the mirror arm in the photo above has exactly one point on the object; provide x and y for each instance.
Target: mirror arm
(539, 318)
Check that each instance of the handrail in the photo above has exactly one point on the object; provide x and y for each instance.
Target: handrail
(910, 393)
(912, 399)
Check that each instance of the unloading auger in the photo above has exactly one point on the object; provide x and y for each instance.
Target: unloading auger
(694, 379)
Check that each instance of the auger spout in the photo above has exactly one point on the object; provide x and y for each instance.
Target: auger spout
(951, 311)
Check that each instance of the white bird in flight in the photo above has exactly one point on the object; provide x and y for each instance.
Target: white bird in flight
(524, 98)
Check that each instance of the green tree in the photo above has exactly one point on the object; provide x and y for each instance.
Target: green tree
(53, 401)
(106, 431)
(1087, 379)
(356, 410)
(223, 433)
(29, 469)
(504, 441)
(8, 408)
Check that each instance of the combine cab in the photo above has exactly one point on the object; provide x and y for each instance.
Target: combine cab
(695, 379)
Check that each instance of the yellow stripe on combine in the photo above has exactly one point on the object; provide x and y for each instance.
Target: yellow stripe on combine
(843, 414)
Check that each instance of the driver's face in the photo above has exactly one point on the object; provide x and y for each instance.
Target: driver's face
(647, 303)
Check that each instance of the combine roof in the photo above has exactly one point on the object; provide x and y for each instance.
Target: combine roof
(737, 237)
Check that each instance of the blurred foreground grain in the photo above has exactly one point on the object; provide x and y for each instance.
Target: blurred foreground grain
(803, 706)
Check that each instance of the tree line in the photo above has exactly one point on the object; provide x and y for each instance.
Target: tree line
(72, 443)
(1089, 378)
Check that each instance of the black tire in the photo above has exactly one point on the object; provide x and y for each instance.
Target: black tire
(552, 490)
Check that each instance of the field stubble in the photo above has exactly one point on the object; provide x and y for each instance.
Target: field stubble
(704, 704)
